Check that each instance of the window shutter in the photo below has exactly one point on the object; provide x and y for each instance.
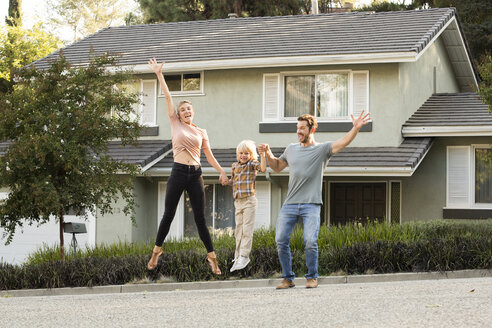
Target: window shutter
(262, 219)
(360, 96)
(149, 99)
(458, 176)
(271, 98)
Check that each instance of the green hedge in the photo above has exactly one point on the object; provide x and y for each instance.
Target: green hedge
(189, 265)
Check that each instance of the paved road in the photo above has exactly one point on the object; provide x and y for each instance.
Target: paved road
(428, 303)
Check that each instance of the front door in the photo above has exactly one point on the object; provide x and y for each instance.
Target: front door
(350, 202)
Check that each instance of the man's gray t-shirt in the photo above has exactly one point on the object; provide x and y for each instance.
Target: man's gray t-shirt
(306, 165)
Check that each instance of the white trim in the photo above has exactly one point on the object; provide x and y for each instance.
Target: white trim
(264, 102)
(350, 92)
(154, 99)
(438, 34)
(423, 156)
(146, 167)
(368, 171)
(468, 164)
(287, 61)
(474, 203)
(447, 131)
(329, 171)
(462, 46)
(390, 199)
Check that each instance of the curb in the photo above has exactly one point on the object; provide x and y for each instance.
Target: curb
(253, 283)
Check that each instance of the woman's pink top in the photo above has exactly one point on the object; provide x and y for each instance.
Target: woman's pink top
(188, 137)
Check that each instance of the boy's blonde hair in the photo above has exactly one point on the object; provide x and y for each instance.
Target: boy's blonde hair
(249, 146)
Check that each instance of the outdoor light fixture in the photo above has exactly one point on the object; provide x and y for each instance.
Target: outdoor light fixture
(74, 228)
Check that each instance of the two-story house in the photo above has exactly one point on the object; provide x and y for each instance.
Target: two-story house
(422, 156)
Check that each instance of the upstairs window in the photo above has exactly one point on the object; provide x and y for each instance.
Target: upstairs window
(147, 106)
(184, 83)
(329, 96)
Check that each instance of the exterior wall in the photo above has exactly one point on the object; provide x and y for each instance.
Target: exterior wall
(416, 80)
(424, 194)
(112, 228)
(231, 107)
(146, 213)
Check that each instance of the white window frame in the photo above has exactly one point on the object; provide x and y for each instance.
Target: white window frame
(350, 95)
(186, 93)
(154, 104)
(472, 175)
(471, 203)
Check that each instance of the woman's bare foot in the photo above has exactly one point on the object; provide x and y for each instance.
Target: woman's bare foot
(212, 261)
(155, 258)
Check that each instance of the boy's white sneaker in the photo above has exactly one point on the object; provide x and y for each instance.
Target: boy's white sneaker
(234, 265)
(241, 263)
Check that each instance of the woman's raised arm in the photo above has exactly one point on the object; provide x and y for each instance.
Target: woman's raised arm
(157, 69)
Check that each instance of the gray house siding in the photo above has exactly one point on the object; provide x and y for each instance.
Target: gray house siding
(416, 80)
(425, 191)
(231, 107)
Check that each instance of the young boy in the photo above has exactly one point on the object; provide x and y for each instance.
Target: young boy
(244, 193)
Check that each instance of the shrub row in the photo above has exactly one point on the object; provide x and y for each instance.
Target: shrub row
(329, 237)
(189, 265)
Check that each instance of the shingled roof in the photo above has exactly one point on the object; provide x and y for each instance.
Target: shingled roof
(143, 154)
(450, 114)
(305, 35)
(401, 160)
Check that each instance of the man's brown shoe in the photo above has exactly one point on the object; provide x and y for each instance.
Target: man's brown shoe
(312, 283)
(286, 284)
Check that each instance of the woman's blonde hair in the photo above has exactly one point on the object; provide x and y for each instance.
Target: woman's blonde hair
(249, 146)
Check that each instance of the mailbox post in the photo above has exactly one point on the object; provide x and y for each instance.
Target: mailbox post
(74, 228)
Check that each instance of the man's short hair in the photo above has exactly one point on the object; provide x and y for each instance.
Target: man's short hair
(311, 121)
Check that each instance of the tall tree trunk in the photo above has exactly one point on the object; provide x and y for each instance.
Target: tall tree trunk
(62, 241)
(14, 13)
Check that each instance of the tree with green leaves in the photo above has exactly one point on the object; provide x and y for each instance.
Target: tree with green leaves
(475, 18)
(58, 123)
(85, 17)
(20, 46)
(189, 10)
(485, 70)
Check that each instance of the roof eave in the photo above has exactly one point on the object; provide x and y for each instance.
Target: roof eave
(447, 131)
(390, 57)
(329, 171)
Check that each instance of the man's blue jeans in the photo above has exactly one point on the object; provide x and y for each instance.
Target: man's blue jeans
(287, 219)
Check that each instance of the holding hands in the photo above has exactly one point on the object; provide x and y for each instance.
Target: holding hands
(224, 180)
(263, 149)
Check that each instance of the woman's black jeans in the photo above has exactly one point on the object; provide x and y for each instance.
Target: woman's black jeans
(189, 178)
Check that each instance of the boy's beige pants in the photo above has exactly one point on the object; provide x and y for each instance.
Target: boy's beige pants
(245, 212)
